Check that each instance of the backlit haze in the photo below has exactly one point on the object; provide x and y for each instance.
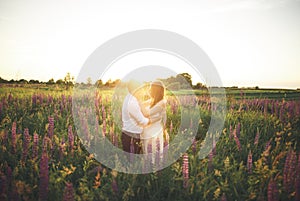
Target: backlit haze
(250, 42)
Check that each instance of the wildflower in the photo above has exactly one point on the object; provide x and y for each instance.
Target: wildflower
(238, 130)
(26, 142)
(35, 145)
(44, 177)
(249, 162)
(272, 191)
(50, 127)
(114, 186)
(237, 141)
(70, 138)
(289, 170)
(14, 137)
(185, 170)
(68, 192)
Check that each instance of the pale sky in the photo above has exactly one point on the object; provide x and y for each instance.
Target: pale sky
(250, 42)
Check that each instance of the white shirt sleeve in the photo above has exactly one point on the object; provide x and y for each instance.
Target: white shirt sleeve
(136, 113)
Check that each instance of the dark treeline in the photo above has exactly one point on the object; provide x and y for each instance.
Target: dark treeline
(180, 81)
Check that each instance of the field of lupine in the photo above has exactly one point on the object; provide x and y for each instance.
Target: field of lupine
(42, 158)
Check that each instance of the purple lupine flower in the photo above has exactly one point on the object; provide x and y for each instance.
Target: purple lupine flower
(50, 127)
(44, 177)
(266, 108)
(70, 138)
(157, 158)
(114, 186)
(3, 187)
(273, 194)
(14, 137)
(289, 171)
(236, 139)
(26, 142)
(281, 113)
(256, 137)
(35, 145)
(69, 194)
(249, 162)
(238, 130)
(268, 144)
(33, 99)
(185, 170)
(104, 128)
(10, 97)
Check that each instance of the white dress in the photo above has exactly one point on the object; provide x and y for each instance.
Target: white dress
(152, 135)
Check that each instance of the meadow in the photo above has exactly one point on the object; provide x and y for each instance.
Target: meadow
(256, 158)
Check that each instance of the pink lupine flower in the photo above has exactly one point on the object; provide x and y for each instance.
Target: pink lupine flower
(14, 137)
(44, 178)
(35, 145)
(26, 142)
(256, 137)
(104, 128)
(114, 186)
(249, 162)
(69, 194)
(157, 158)
(185, 170)
(50, 127)
(273, 194)
(238, 129)
(289, 170)
(236, 139)
(70, 138)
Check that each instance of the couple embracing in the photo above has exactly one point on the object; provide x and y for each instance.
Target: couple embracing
(144, 121)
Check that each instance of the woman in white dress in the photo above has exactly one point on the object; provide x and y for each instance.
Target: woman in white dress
(152, 135)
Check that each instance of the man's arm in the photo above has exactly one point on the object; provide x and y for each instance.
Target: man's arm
(136, 113)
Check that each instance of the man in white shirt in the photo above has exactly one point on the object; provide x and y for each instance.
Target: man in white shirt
(133, 120)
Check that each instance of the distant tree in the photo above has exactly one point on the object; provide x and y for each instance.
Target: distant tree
(51, 81)
(199, 86)
(60, 82)
(69, 80)
(23, 81)
(3, 80)
(99, 83)
(34, 82)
